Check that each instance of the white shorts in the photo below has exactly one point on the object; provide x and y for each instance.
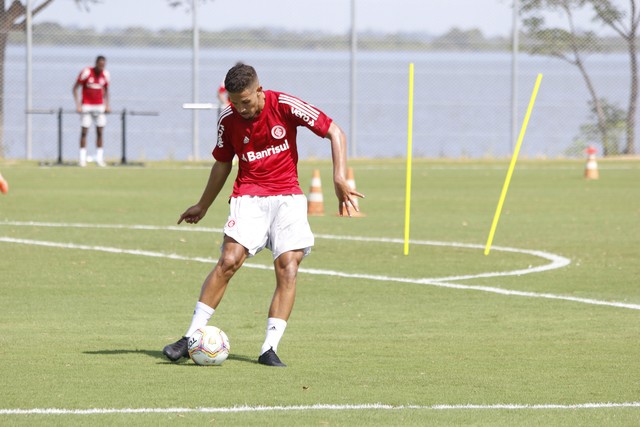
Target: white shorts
(93, 114)
(278, 223)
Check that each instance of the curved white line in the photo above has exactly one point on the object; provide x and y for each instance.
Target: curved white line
(557, 261)
(424, 281)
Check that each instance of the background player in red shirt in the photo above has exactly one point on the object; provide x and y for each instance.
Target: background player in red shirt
(4, 185)
(267, 206)
(223, 98)
(93, 105)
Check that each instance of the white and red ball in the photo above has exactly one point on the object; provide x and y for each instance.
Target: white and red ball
(209, 346)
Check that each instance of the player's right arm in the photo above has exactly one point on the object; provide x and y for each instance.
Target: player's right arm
(218, 176)
(82, 77)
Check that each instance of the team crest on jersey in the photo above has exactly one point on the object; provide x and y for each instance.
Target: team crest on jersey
(245, 140)
(278, 132)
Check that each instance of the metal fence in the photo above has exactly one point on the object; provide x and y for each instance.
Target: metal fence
(463, 90)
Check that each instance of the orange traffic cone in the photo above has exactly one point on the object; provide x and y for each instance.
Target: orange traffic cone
(352, 183)
(4, 185)
(591, 168)
(315, 202)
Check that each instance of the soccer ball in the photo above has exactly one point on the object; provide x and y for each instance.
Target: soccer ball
(209, 346)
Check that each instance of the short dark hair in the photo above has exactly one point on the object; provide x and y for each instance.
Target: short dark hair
(240, 77)
(100, 58)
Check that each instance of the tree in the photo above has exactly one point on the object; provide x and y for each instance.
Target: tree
(570, 44)
(457, 39)
(616, 123)
(615, 17)
(13, 18)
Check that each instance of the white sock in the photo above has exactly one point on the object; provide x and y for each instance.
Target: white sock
(83, 157)
(99, 155)
(201, 316)
(275, 330)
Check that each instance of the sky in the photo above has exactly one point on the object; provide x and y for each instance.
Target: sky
(493, 17)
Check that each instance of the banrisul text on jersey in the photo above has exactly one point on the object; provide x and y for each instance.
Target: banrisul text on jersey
(251, 156)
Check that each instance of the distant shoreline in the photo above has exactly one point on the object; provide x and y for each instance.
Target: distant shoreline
(53, 34)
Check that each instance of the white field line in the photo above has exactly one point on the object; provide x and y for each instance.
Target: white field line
(444, 282)
(579, 166)
(424, 281)
(317, 407)
(556, 260)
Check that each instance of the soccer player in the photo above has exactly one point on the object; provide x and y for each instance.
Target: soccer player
(93, 105)
(267, 207)
(223, 98)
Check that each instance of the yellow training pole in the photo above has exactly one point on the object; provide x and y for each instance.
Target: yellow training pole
(409, 160)
(512, 165)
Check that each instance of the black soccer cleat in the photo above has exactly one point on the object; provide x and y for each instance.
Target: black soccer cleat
(177, 350)
(270, 358)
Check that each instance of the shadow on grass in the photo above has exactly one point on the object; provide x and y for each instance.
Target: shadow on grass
(157, 354)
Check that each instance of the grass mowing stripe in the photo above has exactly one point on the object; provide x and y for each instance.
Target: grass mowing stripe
(107, 226)
(425, 281)
(317, 407)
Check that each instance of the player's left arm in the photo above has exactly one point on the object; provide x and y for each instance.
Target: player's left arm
(105, 93)
(107, 106)
(339, 157)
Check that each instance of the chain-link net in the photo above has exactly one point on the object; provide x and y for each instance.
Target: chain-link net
(463, 90)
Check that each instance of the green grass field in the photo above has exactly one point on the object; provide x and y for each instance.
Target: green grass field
(89, 298)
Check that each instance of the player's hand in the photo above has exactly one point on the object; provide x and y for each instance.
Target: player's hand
(346, 198)
(193, 215)
(79, 109)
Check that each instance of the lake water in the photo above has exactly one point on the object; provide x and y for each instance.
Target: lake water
(461, 100)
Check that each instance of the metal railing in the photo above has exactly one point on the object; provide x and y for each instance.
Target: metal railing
(123, 119)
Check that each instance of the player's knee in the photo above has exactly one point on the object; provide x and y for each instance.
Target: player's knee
(228, 264)
(287, 269)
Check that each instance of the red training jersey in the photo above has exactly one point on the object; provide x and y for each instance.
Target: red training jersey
(93, 86)
(266, 145)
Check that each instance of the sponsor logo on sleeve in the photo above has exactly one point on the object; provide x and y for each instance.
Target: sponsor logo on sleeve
(308, 113)
(299, 113)
(220, 132)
